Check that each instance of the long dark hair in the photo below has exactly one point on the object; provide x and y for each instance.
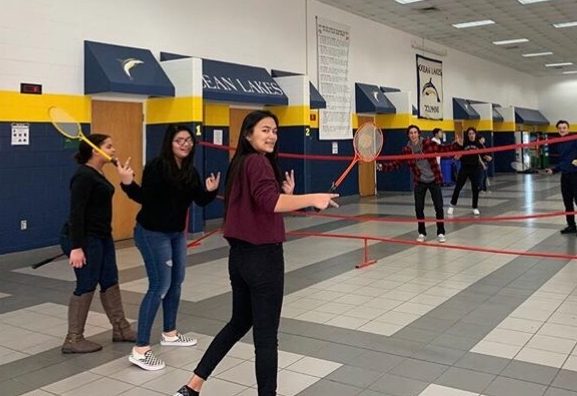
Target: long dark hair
(244, 148)
(85, 151)
(466, 137)
(182, 176)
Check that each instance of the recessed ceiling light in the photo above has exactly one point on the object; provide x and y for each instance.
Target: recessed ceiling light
(570, 72)
(514, 41)
(464, 25)
(537, 54)
(565, 24)
(407, 1)
(531, 1)
(559, 64)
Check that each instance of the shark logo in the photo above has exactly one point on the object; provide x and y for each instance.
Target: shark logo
(376, 95)
(128, 64)
(430, 89)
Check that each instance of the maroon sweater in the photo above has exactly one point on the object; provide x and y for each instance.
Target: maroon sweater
(250, 214)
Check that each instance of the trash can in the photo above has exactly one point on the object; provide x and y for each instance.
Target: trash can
(447, 171)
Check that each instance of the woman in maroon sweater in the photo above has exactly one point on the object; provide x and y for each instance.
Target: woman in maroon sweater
(256, 195)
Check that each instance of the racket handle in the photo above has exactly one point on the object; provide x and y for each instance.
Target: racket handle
(46, 261)
(331, 190)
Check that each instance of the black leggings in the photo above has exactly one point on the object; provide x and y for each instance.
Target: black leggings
(257, 280)
(569, 193)
(473, 174)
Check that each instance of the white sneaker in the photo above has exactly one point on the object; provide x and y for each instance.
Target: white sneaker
(441, 238)
(450, 210)
(421, 238)
(476, 212)
(147, 361)
(177, 340)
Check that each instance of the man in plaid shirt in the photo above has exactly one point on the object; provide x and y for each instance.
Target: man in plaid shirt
(426, 174)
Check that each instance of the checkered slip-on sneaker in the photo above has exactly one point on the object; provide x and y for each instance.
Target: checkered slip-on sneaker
(147, 361)
(177, 340)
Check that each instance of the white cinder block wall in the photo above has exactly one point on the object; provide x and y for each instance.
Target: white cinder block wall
(42, 41)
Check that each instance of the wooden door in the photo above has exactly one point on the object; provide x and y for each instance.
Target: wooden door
(123, 122)
(236, 119)
(367, 170)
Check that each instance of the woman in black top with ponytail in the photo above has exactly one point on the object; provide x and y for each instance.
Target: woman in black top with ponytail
(87, 241)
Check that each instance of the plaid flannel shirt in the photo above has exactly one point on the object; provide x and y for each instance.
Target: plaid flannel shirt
(428, 146)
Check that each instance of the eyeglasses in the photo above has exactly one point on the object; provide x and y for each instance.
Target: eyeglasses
(183, 141)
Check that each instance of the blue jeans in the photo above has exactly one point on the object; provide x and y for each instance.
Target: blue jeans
(164, 255)
(257, 280)
(100, 268)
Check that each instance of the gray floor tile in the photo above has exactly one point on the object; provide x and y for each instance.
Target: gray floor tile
(566, 379)
(483, 363)
(324, 388)
(472, 381)
(419, 370)
(399, 386)
(530, 372)
(508, 387)
(355, 376)
(439, 354)
(559, 392)
(377, 361)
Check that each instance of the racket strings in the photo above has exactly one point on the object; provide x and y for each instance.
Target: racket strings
(368, 142)
(64, 123)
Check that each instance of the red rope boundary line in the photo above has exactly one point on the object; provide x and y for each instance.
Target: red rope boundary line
(557, 256)
(489, 150)
(434, 220)
(196, 242)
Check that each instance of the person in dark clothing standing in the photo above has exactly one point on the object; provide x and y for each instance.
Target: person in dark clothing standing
(470, 169)
(87, 240)
(170, 184)
(567, 153)
(426, 176)
(256, 195)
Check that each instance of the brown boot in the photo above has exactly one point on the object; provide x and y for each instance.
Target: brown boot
(77, 314)
(112, 303)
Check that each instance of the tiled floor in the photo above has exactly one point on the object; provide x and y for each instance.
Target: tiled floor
(424, 320)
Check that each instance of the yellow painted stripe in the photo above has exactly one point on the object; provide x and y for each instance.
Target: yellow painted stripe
(504, 126)
(15, 106)
(216, 114)
(479, 125)
(291, 115)
(403, 120)
(170, 110)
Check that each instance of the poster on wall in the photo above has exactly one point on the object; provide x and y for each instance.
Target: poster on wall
(430, 88)
(333, 41)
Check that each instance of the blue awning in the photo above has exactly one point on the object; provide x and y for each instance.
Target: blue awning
(529, 117)
(496, 115)
(113, 68)
(370, 99)
(231, 82)
(462, 110)
(316, 99)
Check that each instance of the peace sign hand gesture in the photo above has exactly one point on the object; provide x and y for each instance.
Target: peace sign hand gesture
(125, 172)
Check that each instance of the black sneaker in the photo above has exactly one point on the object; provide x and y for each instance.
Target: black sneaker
(569, 230)
(186, 391)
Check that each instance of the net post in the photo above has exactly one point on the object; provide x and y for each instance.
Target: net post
(366, 261)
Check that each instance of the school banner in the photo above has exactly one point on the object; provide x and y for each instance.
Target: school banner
(430, 88)
(333, 41)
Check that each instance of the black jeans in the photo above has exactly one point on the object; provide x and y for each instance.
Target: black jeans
(473, 174)
(257, 280)
(437, 196)
(569, 193)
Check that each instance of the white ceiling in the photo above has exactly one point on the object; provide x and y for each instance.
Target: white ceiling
(433, 19)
